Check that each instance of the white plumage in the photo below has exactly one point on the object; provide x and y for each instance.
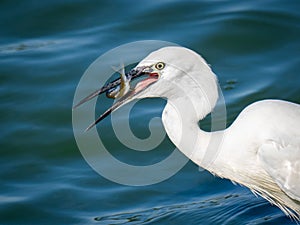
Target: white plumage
(260, 150)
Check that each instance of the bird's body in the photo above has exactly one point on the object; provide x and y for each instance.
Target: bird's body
(260, 150)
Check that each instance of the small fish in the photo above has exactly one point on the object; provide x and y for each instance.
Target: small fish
(122, 89)
(113, 86)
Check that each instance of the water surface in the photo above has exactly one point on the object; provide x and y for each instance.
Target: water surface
(46, 46)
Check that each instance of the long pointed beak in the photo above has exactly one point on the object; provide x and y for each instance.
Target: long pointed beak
(122, 101)
(110, 86)
(127, 97)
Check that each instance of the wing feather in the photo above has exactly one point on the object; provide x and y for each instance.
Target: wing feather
(282, 163)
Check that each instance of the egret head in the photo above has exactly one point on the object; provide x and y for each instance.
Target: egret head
(166, 73)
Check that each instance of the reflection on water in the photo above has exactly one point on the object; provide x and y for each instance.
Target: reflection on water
(229, 209)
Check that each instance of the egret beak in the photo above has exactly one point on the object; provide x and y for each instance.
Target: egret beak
(134, 73)
(124, 97)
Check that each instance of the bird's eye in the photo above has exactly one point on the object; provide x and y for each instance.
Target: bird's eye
(160, 65)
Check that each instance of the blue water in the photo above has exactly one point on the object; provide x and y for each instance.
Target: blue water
(45, 47)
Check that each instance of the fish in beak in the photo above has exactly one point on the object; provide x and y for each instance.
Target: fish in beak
(121, 90)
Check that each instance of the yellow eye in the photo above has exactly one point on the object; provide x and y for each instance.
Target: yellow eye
(160, 65)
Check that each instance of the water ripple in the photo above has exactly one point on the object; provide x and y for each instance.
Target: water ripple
(45, 47)
(228, 209)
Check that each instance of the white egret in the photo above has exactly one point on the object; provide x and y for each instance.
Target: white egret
(260, 150)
